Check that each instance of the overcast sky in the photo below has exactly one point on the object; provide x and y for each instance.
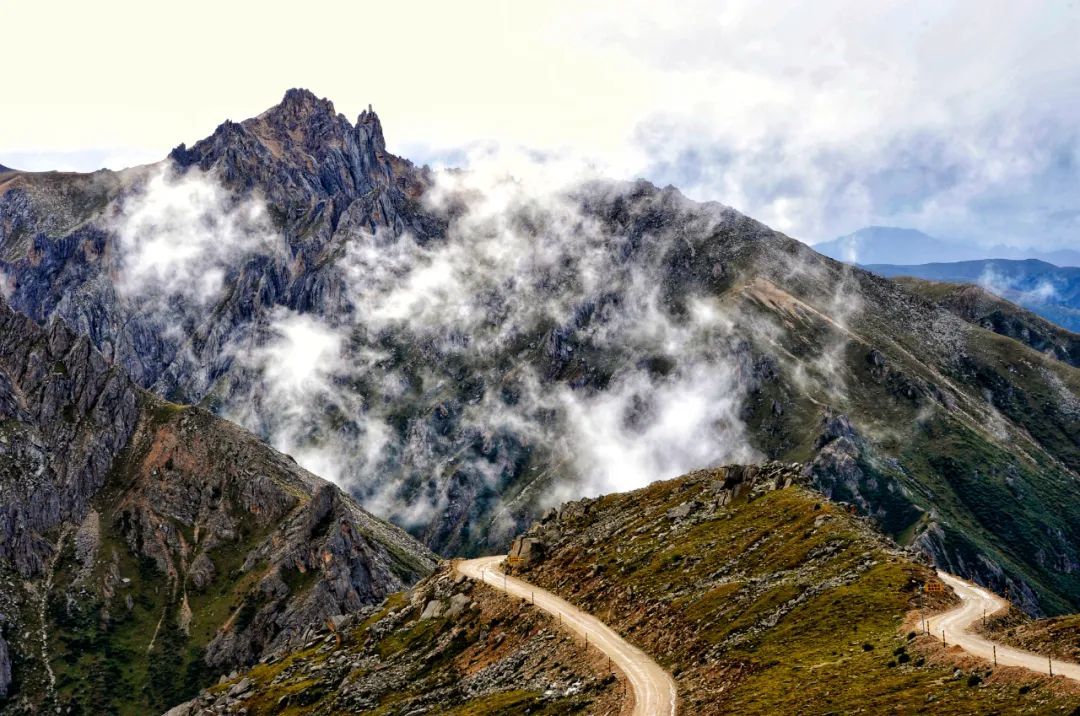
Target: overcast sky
(818, 118)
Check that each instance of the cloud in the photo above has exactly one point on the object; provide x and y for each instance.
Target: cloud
(180, 235)
(644, 429)
(7, 286)
(454, 364)
(300, 355)
(895, 115)
(817, 118)
(1016, 289)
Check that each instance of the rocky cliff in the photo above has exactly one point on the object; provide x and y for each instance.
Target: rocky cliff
(150, 546)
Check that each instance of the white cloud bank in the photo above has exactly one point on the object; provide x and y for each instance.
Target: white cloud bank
(957, 118)
(438, 369)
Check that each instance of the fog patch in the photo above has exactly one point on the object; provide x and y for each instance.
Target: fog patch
(300, 365)
(1011, 288)
(178, 236)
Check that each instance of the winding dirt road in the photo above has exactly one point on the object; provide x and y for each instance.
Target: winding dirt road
(975, 600)
(654, 689)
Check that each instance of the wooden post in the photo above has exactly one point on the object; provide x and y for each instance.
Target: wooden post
(995, 653)
(943, 637)
(1050, 663)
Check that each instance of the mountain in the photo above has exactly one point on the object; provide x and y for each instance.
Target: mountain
(756, 593)
(892, 245)
(1050, 291)
(149, 547)
(462, 350)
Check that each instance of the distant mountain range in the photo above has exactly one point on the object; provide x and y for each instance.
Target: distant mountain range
(892, 245)
(1051, 291)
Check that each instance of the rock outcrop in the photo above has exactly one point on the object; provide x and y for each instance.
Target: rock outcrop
(65, 415)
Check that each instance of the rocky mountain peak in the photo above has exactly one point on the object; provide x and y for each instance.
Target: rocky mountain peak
(369, 130)
(302, 104)
(301, 120)
(301, 151)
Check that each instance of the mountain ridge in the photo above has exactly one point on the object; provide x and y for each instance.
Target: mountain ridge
(897, 245)
(469, 377)
(1050, 291)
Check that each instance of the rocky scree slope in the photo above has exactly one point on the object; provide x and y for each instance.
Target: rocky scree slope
(148, 546)
(980, 307)
(1052, 292)
(958, 440)
(447, 646)
(760, 596)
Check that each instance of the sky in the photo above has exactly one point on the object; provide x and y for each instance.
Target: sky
(960, 119)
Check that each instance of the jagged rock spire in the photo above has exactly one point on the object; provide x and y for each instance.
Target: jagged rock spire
(369, 130)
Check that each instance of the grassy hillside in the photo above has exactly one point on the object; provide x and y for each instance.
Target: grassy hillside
(957, 440)
(982, 308)
(777, 601)
(1052, 292)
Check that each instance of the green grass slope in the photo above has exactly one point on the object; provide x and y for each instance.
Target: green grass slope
(763, 600)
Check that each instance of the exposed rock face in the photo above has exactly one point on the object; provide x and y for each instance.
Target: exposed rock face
(140, 522)
(322, 176)
(525, 550)
(308, 549)
(65, 414)
(308, 159)
(5, 669)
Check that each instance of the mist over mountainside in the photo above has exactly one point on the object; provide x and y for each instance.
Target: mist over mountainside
(893, 245)
(1051, 291)
(461, 350)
